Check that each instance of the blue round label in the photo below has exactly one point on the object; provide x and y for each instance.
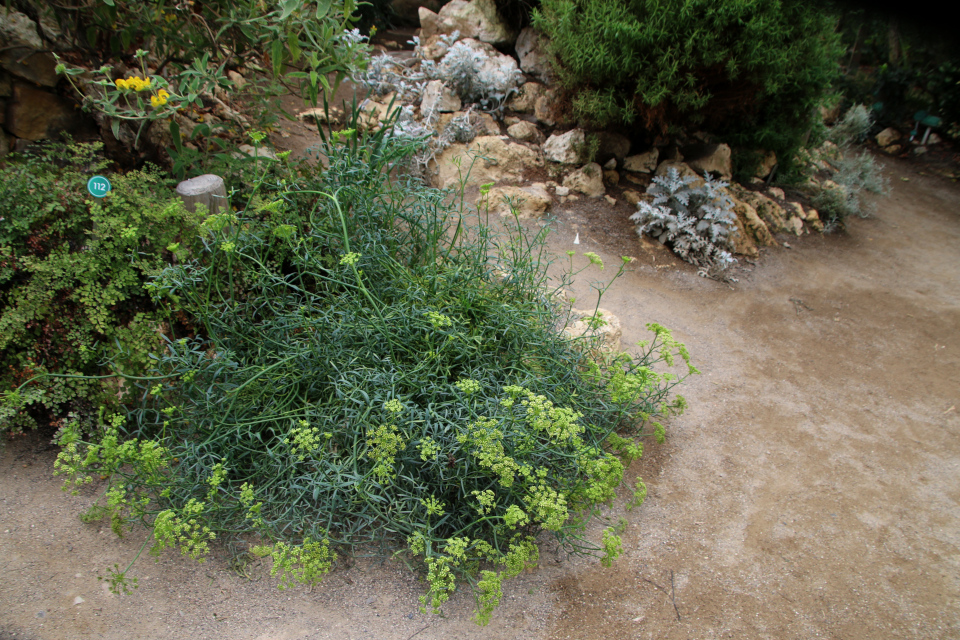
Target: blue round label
(98, 186)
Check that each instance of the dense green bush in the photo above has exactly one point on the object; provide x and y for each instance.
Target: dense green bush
(72, 270)
(752, 71)
(371, 367)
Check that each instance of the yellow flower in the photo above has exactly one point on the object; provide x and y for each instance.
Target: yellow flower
(160, 99)
(121, 83)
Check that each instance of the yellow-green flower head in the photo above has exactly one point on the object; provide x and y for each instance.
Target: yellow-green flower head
(393, 406)
(594, 259)
(350, 259)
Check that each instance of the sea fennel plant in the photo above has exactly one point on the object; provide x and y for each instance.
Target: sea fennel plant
(374, 366)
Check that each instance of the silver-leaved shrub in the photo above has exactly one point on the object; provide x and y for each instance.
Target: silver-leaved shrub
(695, 220)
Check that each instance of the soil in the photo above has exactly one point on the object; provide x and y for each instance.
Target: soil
(812, 489)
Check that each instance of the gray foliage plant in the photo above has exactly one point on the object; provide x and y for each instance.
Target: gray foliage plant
(695, 220)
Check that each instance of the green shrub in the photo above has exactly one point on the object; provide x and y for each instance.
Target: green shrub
(751, 71)
(371, 367)
(71, 277)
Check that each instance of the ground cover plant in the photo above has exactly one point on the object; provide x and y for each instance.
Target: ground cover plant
(369, 369)
(72, 270)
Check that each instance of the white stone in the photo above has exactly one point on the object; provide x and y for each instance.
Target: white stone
(530, 52)
(502, 160)
(588, 180)
(531, 201)
(565, 148)
(474, 19)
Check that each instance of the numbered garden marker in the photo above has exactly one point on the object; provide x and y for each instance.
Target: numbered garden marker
(98, 186)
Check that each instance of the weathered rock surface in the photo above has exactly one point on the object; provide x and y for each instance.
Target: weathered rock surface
(525, 100)
(603, 323)
(502, 161)
(682, 168)
(751, 223)
(632, 197)
(643, 162)
(565, 148)
(34, 114)
(767, 163)
(22, 50)
(547, 109)
(531, 201)
(526, 131)
(769, 211)
(438, 98)
(887, 137)
(611, 178)
(533, 60)
(476, 19)
(714, 158)
(588, 180)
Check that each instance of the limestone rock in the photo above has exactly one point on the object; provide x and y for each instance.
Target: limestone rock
(603, 323)
(714, 158)
(588, 180)
(533, 60)
(476, 19)
(643, 162)
(562, 191)
(525, 99)
(565, 148)
(502, 160)
(776, 192)
(526, 131)
(438, 98)
(22, 50)
(767, 162)
(769, 211)
(610, 199)
(612, 146)
(933, 139)
(893, 149)
(531, 201)
(429, 23)
(547, 109)
(317, 116)
(487, 125)
(751, 223)
(34, 114)
(813, 220)
(18, 30)
(887, 137)
(610, 164)
(743, 244)
(611, 178)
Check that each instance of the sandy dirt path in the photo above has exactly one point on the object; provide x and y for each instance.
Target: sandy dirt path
(811, 490)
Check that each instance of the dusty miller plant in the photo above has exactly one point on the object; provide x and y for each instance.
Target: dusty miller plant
(384, 74)
(468, 73)
(696, 221)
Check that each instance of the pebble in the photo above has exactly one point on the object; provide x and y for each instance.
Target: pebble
(78, 600)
